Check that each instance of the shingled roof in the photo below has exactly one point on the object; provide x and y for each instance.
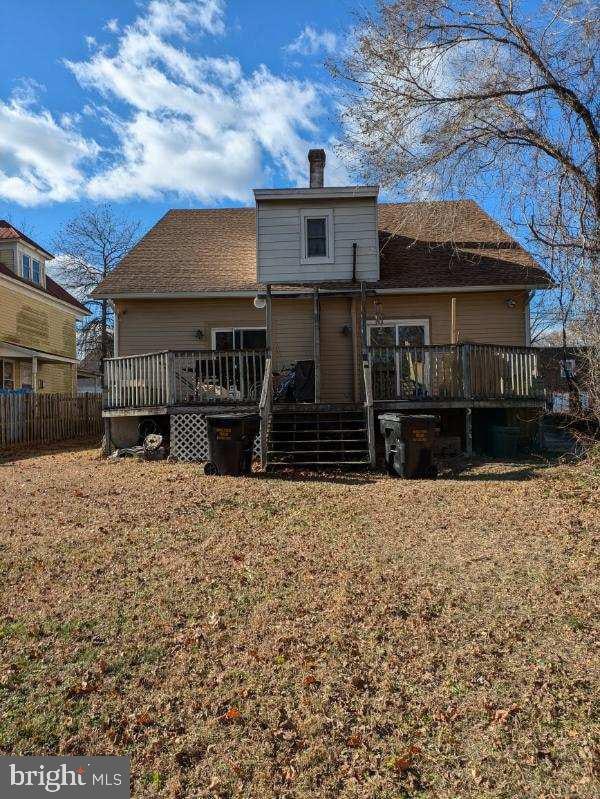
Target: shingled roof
(431, 245)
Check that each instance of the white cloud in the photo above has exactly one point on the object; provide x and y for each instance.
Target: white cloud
(311, 41)
(40, 159)
(91, 42)
(183, 123)
(112, 25)
(197, 124)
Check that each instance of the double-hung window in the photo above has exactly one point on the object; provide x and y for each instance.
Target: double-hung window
(316, 226)
(35, 270)
(26, 267)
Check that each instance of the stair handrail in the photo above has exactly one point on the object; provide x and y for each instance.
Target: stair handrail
(264, 409)
(367, 376)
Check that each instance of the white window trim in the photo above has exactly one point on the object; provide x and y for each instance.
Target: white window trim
(215, 330)
(404, 322)
(424, 323)
(317, 213)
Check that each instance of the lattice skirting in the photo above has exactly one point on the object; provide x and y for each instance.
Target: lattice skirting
(189, 437)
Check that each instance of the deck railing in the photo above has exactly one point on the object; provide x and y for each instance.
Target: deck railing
(183, 377)
(455, 372)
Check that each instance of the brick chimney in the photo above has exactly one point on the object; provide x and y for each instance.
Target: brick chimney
(316, 159)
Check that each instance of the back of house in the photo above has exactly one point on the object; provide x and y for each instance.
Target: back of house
(394, 305)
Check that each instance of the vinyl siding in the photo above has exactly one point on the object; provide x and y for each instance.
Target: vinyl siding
(57, 378)
(337, 380)
(481, 317)
(155, 325)
(293, 327)
(279, 241)
(35, 323)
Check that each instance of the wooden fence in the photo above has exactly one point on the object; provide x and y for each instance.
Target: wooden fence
(45, 418)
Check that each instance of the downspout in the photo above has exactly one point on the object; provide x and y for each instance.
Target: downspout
(354, 249)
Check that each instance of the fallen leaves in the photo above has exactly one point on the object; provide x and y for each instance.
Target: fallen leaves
(363, 636)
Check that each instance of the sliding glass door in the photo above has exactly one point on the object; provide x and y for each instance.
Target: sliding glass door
(398, 358)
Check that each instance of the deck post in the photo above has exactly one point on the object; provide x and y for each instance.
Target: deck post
(465, 364)
(317, 342)
(469, 431)
(269, 320)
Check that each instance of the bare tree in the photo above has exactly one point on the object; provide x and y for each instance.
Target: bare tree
(485, 96)
(89, 247)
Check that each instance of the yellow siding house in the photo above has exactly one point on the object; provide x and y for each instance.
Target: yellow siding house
(37, 319)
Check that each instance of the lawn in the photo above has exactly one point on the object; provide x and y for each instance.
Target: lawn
(354, 636)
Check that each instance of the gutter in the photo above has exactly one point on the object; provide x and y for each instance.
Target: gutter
(210, 295)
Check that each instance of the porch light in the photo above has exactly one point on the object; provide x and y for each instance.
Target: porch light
(260, 302)
(510, 303)
(200, 333)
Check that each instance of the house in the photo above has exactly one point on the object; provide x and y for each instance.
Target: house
(416, 306)
(89, 374)
(563, 372)
(37, 319)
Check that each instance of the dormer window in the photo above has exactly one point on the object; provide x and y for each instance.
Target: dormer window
(35, 270)
(26, 267)
(317, 236)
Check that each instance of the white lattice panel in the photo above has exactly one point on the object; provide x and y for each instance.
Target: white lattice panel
(189, 438)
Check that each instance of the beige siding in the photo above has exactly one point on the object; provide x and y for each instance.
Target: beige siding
(337, 380)
(279, 241)
(292, 332)
(154, 325)
(482, 317)
(35, 323)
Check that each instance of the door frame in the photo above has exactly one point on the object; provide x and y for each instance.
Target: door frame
(404, 322)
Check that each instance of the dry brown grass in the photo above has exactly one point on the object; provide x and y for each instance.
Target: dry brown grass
(353, 637)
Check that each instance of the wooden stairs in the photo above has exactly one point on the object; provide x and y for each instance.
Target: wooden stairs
(313, 436)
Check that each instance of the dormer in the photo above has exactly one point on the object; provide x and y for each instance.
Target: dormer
(317, 234)
(22, 255)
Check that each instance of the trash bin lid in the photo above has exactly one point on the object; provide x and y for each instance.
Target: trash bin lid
(236, 417)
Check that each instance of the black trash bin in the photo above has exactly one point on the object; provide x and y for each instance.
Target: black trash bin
(230, 442)
(409, 443)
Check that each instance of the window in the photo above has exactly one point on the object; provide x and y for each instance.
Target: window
(7, 375)
(26, 267)
(233, 338)
(35, 267)
(317, 236)
(26, 375)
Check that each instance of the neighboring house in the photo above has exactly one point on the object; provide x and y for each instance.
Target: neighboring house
(89, 375)
(562, 374)
(37, 319)
(383, 305)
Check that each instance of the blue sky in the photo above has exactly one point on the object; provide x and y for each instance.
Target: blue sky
(162, 103)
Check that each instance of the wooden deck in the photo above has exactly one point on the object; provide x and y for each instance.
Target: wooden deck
(395, 378)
